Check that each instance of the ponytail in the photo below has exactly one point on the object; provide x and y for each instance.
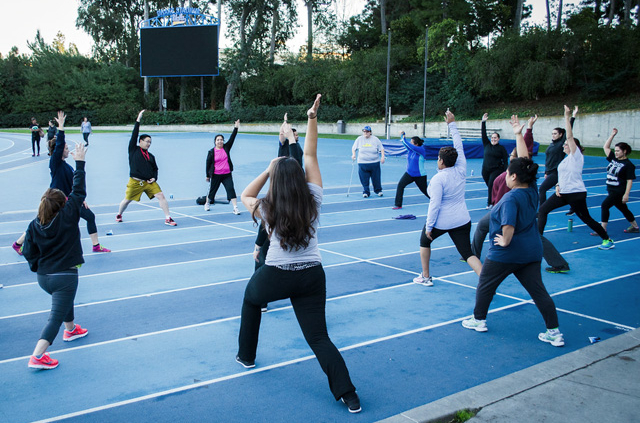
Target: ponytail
(50, 204)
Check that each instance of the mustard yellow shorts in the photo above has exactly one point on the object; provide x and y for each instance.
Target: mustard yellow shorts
(135, 189)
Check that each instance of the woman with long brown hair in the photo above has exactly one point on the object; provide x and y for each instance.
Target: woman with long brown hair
(293, 268)
(52, 248)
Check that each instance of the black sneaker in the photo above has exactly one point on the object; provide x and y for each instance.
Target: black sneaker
(246, 363)
(352, 401)
(570, 212)
(557, 269)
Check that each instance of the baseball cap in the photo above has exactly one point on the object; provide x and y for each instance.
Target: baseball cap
(367, 128)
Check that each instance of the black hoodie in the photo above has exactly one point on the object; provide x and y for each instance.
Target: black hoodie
(56, 246)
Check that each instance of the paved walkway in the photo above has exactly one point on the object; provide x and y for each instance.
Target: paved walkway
(599, 383)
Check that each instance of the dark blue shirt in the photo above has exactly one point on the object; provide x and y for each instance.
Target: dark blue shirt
(516, 208)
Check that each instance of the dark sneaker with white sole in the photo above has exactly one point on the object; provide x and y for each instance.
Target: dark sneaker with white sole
(245, 363)
(352, 401)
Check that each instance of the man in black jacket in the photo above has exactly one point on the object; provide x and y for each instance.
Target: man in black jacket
(143, 174)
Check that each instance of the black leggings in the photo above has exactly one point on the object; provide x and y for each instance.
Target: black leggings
(578, 202)
(35, 142)
(548, 182)
(421, 182)
(227, 181)
(459, 236)
(615, 199)
(62, 287)
(492, 275)
(490, 175)
(88, 215)
(307, 290)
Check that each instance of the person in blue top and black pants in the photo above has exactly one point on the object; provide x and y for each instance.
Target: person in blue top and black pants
(416, 172)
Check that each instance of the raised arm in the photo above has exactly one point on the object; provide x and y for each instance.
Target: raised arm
(56, 157)
(607, 144)
(450, 119)
(521, 146)
(232, 138)
(134, 134)
(311, 167)
(569, 124)
(485, 138)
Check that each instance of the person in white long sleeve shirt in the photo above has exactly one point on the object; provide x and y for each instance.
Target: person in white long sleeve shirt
(447, 209)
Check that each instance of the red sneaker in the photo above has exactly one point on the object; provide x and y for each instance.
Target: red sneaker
(100, 249)
(44, 362)
(118, 218)
(396, 207)
(170, 222)
(17, 247)
(77, 332)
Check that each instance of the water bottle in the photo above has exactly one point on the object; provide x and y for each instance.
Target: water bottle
(570, 225)
(471, 172)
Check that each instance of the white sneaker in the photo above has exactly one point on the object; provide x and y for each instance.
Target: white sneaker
(552, 336)
(236, 211)
(421, 280)
(206, 207)
(380, 194)
(365, 195)
(477, 325)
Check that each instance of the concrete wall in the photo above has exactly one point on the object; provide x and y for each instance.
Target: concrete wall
(592, 129)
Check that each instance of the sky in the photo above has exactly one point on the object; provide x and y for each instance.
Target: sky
(23, 18)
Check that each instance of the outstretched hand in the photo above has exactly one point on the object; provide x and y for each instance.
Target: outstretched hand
(515, 125)
(237, 124)
(532, 120)
(60, 119)
(79, 152)
(575, 111)
(485, 117)
(140, 115)
(312, 113)
(614, 132)
(567, 111)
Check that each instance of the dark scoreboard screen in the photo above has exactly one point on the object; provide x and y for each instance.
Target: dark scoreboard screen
(179, 51)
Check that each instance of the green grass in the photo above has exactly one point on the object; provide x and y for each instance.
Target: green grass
(461, 416)
(593, 151)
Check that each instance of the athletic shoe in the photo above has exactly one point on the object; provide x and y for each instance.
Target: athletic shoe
(236, 211)
(100, 249)
(44, 362)
(245, 363)
(380, 194)
(77, 333)
(17, 247)
(607, 244)
(38, 154)
(396, 207)
(570, 212)
(170, 222)
(462, 260)
(206, 207)
(263, 308)
(593, 234)
(558, 269)
(489, 207)
(552, 336)
(477, 325)
(365, 195)
(118, 218)
(631, 230)
(352, 401)
(421, 280)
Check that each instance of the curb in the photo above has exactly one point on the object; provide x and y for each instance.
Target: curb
(508, 386)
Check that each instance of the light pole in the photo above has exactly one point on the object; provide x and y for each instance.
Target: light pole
(387, 118)
(424, 95)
